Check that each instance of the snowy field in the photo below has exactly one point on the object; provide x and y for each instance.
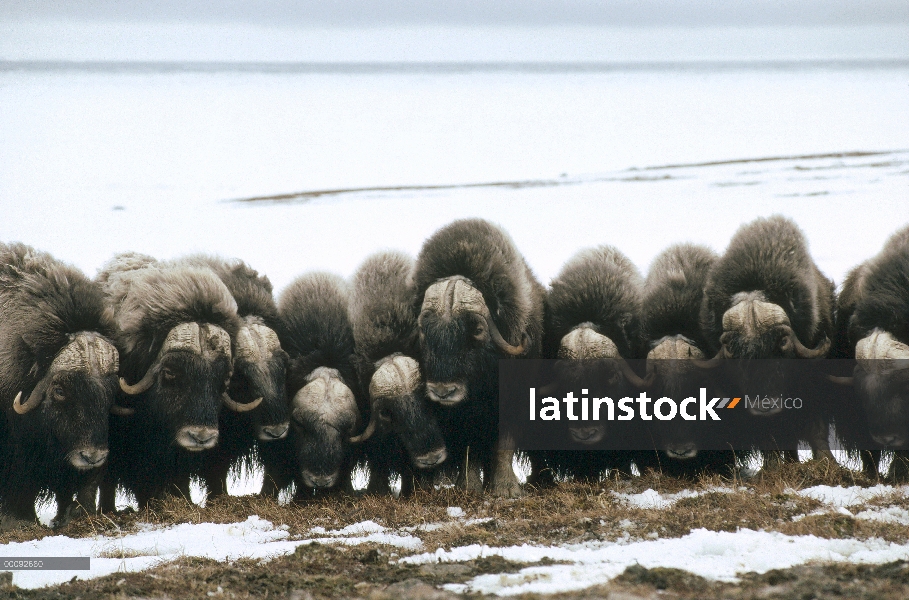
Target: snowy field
(714, 555)
(304, 170)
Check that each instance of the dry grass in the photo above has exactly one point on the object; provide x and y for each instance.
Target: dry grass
(568, 513)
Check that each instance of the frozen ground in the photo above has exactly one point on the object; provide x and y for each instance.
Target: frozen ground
(714, 555)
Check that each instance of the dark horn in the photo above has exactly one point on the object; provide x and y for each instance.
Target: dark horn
(505, 346)
(239, 406)
(34, 399)
(819, 352)
(370, 429)
(145, 383)
(633, 378)
(713, 362)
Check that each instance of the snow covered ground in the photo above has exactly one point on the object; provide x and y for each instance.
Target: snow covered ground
(716, 555)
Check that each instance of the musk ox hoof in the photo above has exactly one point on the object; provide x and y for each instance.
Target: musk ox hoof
(507, 489)
(66, 516)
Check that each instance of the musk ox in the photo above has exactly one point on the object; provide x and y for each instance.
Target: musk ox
(321, 381)
(258, 418)
(873, 328)
(477, 302)
(673, 292)
(175, 322)
(767, 299)
(593, 324)
(402, 430)
(58, 381)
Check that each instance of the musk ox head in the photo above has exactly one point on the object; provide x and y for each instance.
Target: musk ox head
(187, 383)
(671, 363)
(258, 382)
(881, 380)
(588, 358)
(75, 396)
(754, 328)
(399, 407)
(324, 416)
(458, 339)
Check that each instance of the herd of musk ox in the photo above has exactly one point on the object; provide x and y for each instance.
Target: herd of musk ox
(159, 371)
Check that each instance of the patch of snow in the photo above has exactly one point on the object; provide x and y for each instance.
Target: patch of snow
(150, 546)
(889, 514)
(455, 512)
(653, 500)
(716, 555)
(838, 496)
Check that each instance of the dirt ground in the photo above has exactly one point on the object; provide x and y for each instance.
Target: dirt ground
(566, 513)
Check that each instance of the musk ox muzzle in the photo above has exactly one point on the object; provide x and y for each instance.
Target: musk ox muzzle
(197, 438)
(86, 353)
(87, 458)
(587, 435)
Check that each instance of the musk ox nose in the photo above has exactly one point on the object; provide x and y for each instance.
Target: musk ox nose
(586, 435)
(89, 458)
(270, 433)
(197, 438)
(319, 481)
(446, 393)
(890, 441)
(431, 459)
(681, 451)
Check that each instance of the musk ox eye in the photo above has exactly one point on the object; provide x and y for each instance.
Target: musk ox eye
(479, 332)
(168, 375)
(785, 343)
(385, 414)
(58, 393)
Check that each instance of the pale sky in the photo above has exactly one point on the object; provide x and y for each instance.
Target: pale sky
(469, 12)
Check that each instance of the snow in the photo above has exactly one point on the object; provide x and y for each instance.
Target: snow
(254, 538)
(717, 555)
(455, 512)
(94, 163)
(840, 497)
(652, 500)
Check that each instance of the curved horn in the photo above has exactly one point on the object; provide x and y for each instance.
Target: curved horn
(370, 429)
(818, 352)
(713, 362)
(632, 377)
(122, 411)
(34, 399)
(145, 383)
(503, 345)
(840, 380)
(239, 406)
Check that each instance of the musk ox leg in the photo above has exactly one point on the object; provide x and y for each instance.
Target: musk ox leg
(504, 481)
(899, 468)
(818, 436)
(378, 480)
(84, 504)
(541, 474)
(215, 477)
(469, 474)
(108, 496)
(871, 463)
